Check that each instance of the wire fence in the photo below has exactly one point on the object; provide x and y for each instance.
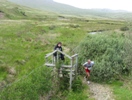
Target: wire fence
(18, 80)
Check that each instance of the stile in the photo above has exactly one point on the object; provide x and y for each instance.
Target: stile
(71, 69)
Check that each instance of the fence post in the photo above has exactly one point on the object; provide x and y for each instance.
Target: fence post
(53, 59)
(57, 56)
(76, 66)
(71, 74)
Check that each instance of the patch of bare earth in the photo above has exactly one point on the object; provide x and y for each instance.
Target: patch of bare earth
(1, 15)
(100, 91)
(9, 78)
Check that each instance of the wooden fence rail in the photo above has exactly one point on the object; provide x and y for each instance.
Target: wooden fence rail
(71, 68)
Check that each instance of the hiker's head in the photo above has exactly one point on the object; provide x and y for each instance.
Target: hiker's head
(59, 44)
(89, 61)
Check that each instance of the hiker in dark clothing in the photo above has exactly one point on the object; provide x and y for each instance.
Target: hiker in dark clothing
(59, 46)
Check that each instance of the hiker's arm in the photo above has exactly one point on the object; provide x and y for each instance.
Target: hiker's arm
(85, 67)
(92, 63)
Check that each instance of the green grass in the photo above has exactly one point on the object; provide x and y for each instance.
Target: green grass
(122, 90)
(3, 73)
(14, 11)
(24, 41)
(29, 88)
(77, 96)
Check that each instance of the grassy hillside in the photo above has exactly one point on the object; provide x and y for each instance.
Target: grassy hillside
(13, 11)
(50, 5)
(25, 38)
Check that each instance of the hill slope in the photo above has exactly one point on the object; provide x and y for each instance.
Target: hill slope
(14, 11)
(66, 9)
(48, 5)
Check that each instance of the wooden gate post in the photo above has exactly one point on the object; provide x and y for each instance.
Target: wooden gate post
(71, 74)
(76, 66)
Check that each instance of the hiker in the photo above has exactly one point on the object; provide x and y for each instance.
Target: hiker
(59, 46)
(87, 66)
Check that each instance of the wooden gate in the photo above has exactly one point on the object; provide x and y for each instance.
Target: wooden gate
(71, 68)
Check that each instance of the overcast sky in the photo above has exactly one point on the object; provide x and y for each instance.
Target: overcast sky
(110, 4)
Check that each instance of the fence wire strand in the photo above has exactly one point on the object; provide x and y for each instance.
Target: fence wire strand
(18, 80)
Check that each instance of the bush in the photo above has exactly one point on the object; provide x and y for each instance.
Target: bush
(77, 85)
(125, 28)
(107, 51)
(128, 51)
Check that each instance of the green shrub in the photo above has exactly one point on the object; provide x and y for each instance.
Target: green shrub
(125, 28)
(107, 51)
(77, 85)
(128, 51)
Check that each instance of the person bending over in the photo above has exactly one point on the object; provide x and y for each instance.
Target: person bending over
(88, 66)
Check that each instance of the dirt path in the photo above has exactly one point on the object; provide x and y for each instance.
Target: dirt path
(100, 92)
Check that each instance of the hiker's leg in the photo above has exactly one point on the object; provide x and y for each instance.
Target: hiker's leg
(62, 57)
(85, 74)
(88, 75)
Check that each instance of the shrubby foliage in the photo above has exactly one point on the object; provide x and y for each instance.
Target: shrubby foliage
(77, 85)
(29, 88)
(107, 50)
(125, 28)
(128, 52)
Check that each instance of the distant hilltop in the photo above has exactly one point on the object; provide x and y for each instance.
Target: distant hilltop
(50, 5)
